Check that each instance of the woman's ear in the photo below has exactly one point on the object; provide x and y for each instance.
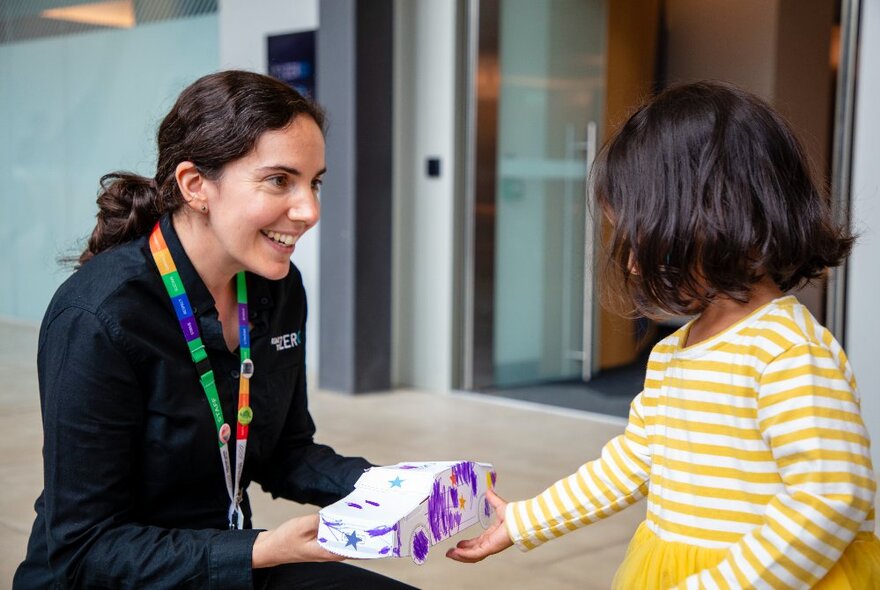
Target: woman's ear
(191, 184)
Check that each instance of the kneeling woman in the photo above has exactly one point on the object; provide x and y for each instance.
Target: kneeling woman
(162, 396)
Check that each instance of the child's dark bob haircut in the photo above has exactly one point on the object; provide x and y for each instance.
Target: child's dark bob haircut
(709, 191)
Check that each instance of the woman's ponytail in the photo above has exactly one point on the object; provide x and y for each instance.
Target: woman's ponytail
(128, 207)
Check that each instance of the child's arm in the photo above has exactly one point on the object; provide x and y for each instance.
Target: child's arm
(598, 489)
(809, 416)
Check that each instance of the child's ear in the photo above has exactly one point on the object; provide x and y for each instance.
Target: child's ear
(631, 264)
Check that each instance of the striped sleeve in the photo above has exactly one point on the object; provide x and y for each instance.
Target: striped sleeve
(598, 489)
(808, 413)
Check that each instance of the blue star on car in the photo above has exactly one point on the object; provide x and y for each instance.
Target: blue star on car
(352, 540)
(395, 483)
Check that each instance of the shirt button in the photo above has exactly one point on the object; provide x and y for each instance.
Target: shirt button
(234, 373)
(264, 300)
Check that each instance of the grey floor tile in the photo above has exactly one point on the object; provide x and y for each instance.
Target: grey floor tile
(12, 548)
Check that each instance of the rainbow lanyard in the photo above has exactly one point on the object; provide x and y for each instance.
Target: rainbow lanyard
(190, 328)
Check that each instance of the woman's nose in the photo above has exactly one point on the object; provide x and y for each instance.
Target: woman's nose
(307, 210)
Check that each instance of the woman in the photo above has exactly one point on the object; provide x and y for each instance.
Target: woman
(183, 332)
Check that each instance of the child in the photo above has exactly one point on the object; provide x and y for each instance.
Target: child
(747, 437)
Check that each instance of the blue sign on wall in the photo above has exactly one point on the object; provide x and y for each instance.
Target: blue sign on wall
(292, 60)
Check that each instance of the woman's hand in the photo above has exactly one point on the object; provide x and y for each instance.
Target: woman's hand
(494, 540)
(293, 542)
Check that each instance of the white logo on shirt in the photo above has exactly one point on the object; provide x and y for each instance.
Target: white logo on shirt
(286, 341)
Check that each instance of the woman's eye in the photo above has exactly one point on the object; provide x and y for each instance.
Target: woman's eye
(316, 185)
(278, 181)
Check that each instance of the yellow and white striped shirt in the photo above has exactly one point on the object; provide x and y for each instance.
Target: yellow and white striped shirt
(750, 441)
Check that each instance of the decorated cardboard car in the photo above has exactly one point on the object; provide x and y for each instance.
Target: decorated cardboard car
(402, 510)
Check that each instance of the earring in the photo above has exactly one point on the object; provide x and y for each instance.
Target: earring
(204, 208)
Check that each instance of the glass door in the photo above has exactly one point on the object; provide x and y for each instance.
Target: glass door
(540, 87)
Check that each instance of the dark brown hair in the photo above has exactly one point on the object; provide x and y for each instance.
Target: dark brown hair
(216, 120)
(709, 191)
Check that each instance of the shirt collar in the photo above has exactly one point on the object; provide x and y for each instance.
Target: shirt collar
(259, 297)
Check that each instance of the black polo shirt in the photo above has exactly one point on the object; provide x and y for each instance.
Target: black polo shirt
(135, 495)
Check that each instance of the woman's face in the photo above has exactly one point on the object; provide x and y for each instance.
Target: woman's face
(265, 201)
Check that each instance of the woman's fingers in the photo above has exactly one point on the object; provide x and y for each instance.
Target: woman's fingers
(321, 554)
(293, 542)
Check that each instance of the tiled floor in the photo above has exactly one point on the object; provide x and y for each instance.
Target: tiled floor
(530, 446)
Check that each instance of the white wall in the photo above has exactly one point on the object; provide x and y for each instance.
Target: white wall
(244, 25)
(863, 275)
(774, 48)
(243, 28)
(424, 99)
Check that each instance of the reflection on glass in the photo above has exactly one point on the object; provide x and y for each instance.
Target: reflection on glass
(552, 70)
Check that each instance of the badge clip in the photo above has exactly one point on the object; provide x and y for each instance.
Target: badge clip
(247, 368)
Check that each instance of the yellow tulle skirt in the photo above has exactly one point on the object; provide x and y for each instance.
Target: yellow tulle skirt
(654, 564)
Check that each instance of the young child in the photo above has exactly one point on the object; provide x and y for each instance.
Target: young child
(747, 438)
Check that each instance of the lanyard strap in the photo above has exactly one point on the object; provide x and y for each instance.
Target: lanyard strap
(190, 328)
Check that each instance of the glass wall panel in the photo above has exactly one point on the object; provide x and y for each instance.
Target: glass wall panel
(74, 106)
(551, 61)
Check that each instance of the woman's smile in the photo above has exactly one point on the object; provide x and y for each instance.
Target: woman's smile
(283, 241)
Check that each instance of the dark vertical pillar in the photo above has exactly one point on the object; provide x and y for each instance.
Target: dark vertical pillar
(354, 85)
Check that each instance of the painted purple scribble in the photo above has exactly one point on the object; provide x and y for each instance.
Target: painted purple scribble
(493, 476)
(332, 525)
(444, 518)
(396, 529)
(465, 472)
(487, 509)
(420, 545)
(379, 531)
(335, 527)
(410, 467)
(322, 539)
(453, 495)
(384, 550)
(353, 505)
(371, 503)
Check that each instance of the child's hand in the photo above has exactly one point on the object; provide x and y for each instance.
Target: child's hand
(494, 540)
